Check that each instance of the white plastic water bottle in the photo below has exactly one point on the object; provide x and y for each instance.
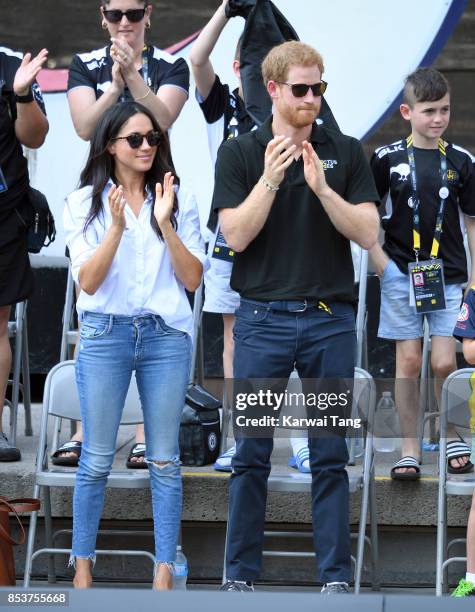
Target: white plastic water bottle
(385, 424)
(180, 574)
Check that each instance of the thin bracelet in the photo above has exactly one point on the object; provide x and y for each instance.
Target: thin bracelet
(143, 97)
(267, 185)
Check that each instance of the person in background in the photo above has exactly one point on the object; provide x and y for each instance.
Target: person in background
(226, 117)
(431, 184)
(22, 122)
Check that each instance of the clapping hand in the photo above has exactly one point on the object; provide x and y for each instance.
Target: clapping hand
(313, 170)
(123, 54)
(164, 199)
(28, 71)
(278, 157)
(117, 205)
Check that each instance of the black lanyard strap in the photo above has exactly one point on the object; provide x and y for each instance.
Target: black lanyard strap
(443, 193)
(144, 70)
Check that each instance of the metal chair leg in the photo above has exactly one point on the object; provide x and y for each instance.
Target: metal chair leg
(49, 533)
(376, 584)
(26, 379)
(19, 317)
(31, 541)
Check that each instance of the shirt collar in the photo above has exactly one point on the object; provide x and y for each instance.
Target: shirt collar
(264, 134)
(110, 182)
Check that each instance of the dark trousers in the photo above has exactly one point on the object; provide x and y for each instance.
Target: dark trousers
(268, 343)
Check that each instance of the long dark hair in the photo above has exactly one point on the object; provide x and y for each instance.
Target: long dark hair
(100, 166)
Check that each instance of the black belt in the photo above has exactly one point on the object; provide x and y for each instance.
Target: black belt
(294, 305)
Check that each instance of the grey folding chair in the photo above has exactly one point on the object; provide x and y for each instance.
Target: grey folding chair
(69, 335)
(61, 400)
(20, 382)
(426, 402)
(361, 479)
(455, 409)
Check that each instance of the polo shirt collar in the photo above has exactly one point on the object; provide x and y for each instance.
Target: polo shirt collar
(264, 134)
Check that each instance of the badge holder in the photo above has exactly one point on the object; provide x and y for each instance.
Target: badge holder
(427, 285)
(221, 250)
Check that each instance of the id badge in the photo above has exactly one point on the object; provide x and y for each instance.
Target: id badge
(221, 249)
(3, 182)
(427, 285)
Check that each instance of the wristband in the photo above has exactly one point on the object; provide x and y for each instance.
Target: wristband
(24, 99)
(267, 185)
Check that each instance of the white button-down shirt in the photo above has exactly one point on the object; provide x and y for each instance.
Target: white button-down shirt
(141, 279)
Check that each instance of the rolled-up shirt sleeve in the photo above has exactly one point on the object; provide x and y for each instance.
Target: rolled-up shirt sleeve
(81, 245)
(189, 230)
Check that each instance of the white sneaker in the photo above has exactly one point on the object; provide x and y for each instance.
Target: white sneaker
(223, 462)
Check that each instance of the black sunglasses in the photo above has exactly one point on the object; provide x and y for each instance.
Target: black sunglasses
(133, 15)
(299, 90)
(135, 139)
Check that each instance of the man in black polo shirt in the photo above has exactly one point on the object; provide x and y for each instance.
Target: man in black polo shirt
(286, 196)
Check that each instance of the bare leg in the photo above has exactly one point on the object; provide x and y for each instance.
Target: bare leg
(443, 363)
(408, 367)
(5, 356)
(83, 577)
(228, 340)
(163, 580)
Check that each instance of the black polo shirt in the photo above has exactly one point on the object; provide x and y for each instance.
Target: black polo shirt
(298, 254)
(12, 161)
(94, 70)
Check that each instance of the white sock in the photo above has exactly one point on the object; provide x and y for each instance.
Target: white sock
(297, 444)
(470, 577)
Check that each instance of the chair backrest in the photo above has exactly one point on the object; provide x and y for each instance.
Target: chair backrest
(456, 403)
(61, 396)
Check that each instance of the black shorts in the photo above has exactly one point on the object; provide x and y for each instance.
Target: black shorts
(16, 276)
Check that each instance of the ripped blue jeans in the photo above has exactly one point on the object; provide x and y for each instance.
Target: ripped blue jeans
(111, 348)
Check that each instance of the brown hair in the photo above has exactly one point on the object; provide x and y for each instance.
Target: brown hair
(425, 85)
(276, 64)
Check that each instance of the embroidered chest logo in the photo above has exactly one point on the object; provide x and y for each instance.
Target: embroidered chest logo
(452, 176)
(402, 169)
(329, 163)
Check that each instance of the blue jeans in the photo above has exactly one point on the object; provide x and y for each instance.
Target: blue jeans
(267, 344)
(111, 347)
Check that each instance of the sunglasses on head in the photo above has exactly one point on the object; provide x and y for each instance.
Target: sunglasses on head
(135, 139)
(115, 16)
(299, 90)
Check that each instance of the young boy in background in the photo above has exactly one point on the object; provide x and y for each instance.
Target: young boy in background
(430, 187)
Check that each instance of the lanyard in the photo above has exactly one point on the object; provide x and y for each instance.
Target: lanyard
(145, 64)
(443, 193)
(144, 70)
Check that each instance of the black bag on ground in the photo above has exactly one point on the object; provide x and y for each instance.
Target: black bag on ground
(42, 230)
(200, 431)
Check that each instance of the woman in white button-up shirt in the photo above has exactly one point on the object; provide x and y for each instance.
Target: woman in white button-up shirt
(135, 246)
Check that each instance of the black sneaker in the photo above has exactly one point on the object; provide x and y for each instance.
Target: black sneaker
(335, 588)
(237, 585)
(7, 451)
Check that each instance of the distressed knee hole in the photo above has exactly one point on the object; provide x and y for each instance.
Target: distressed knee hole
(161, 464)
